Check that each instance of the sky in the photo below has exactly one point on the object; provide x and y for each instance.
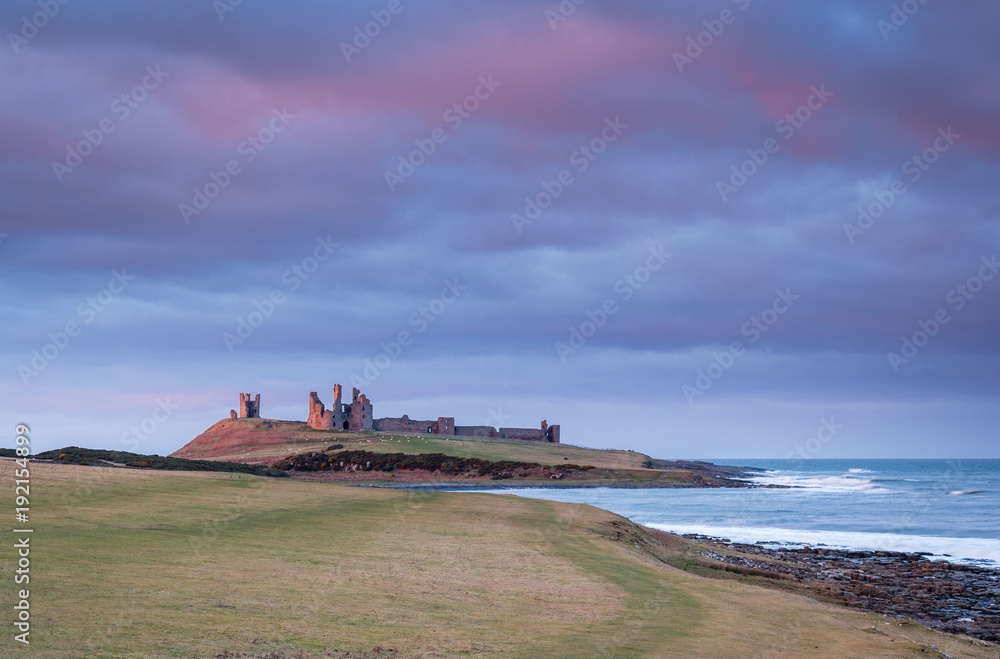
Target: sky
(711, 230)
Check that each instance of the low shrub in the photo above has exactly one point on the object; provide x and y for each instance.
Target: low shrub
(390, 462)
(103, 457)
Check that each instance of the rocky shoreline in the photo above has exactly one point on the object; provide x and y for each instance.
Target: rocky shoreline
(708, 469)
(949, 597)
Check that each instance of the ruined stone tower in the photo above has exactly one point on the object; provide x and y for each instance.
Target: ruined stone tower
(339, 416)
(249, 408)
(361, 412)
(338, 409)
(552, 434)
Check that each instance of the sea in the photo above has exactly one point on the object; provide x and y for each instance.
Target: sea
(947, 509)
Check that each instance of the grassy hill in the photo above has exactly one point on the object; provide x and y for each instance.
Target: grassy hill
(131, 563)
(266, 441)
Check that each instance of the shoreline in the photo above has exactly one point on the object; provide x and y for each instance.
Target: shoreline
(947, 596)
(943, 592)
(950, 597)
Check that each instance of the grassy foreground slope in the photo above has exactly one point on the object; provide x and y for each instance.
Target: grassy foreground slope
(265, 441)
(129, 563)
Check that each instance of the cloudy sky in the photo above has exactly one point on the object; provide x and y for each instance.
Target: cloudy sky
(693, 229)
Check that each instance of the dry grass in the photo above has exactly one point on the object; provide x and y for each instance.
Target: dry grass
(153, 564)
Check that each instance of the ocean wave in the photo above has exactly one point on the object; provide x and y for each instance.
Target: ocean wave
(859, 471)
(941, 548)
(966, 492)
(845, 483)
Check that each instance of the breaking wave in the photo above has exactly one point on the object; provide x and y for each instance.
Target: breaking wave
(850, 482)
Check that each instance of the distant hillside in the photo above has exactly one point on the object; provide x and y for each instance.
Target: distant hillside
(248, 440)
(264, 441)
(426, 459)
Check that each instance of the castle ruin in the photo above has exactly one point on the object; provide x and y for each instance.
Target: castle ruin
(249, 408)
(357, 415)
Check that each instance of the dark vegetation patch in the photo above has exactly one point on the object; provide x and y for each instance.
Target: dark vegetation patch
(101, 457)
(432, 462)
(738, 569)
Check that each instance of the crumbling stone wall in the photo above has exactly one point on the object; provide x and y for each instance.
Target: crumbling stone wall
(320, 418)
(546, 433)
(249, 408)
(526, 434)
(476, 431)
(444, 425)
(404, 424)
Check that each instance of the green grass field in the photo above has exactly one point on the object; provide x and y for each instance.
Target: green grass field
(129, 563)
